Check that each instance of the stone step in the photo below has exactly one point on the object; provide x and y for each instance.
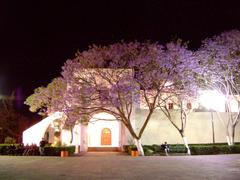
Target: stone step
(103, 149)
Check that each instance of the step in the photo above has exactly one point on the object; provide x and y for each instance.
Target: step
(103, 149)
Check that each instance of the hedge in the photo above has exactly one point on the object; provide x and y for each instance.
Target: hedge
(56, 151)
(17, 149)
(214, 149)
(196, 149)
(11, 149)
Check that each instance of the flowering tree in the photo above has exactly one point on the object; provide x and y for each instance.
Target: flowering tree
(112, 79)
(47, 100)
(220, 60)
(182, 86)
(50, 99)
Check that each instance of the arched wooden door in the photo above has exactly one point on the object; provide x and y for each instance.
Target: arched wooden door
(106, 137)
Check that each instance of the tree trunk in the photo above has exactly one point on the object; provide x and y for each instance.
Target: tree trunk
(71, 131)
(233, 134)
(228, 140)
(230, 135)
(139, 147)
(186, 144)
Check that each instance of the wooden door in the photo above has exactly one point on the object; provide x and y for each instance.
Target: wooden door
(106, 137)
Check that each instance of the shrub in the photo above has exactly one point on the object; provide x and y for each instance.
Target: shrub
(133, 147)
(201, 150)
(148, 150)
(32, 150)
(196, 149)
(177, 148)
(157, 148)
(56, 151)
(125, 148)
(129, 148)
(235, 149)
(13, 149)
(18, 149)
(214, 149)
(3, 149)
(9, 140)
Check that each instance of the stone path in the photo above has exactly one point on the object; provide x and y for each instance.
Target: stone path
(118, 166)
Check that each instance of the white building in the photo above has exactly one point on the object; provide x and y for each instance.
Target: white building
(104, 131)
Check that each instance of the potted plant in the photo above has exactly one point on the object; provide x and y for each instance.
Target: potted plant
(64, 152)
(134, 151)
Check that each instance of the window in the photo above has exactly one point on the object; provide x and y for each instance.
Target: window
(170, 105)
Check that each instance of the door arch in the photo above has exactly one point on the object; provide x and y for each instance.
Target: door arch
(106, 136)
(95, 126)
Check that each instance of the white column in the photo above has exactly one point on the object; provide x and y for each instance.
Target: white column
(122, 135)
(84, 138)
(77, 137)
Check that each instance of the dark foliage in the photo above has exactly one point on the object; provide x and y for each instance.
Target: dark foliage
(33, 150)
(196, 149)
(56, 151)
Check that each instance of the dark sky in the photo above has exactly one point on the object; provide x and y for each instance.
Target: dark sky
(37, 37)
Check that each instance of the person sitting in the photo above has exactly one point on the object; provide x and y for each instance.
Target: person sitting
(165, 146)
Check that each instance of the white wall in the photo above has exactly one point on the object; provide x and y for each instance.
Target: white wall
(34, 134)
(96, 126)
(198, 128)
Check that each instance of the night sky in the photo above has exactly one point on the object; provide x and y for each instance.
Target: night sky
(37, 37)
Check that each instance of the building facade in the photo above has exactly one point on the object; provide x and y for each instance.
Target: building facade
(104, 131)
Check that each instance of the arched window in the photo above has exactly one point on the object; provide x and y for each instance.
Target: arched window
(106, 137)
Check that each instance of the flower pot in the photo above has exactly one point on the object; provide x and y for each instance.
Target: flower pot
(64, 154)
(134, 153)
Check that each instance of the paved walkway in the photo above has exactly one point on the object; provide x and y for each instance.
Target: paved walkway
(117, 166)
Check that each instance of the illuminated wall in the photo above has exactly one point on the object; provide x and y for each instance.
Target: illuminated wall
(97, 124)
(34, 134)
(198, 128)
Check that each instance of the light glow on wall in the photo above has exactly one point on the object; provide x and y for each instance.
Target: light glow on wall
(212, 99)
(234, 104)
(34, 134)
(96, 126)
(66, 136)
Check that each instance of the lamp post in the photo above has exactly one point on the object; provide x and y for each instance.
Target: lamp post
(213, 131)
